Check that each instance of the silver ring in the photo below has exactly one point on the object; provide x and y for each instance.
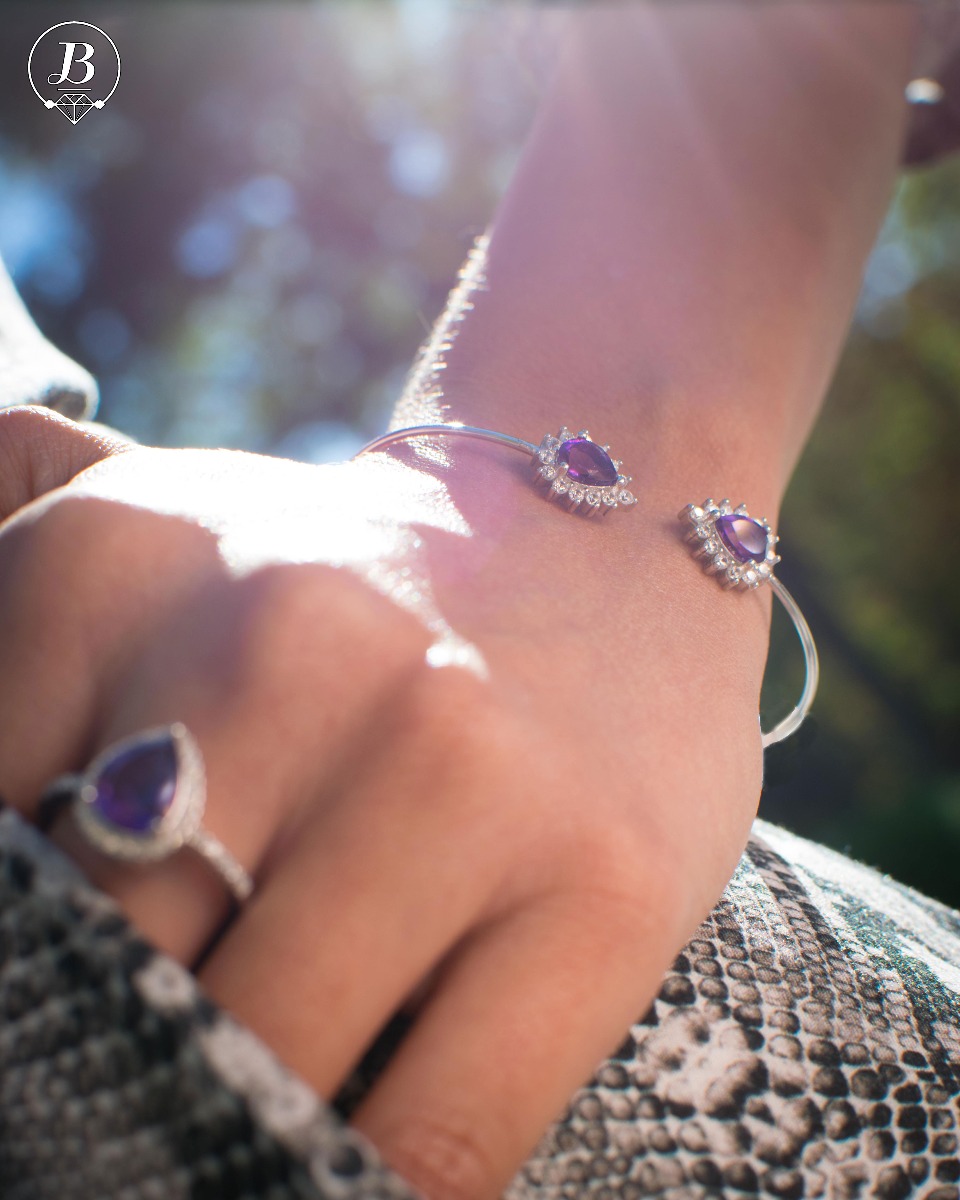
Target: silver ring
(142, 799)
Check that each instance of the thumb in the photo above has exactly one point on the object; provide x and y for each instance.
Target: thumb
(40, 451)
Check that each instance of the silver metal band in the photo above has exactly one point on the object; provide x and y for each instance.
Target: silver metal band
(233, 874)
(473, 431)
(591, 483)
(795, 718)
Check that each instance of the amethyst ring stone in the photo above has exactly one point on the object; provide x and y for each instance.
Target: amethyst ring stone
(142, 799)
(741, 552)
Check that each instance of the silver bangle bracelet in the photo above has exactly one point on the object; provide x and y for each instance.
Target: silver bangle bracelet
(737, 548)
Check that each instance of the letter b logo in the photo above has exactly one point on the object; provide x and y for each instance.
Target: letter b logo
(70, 56)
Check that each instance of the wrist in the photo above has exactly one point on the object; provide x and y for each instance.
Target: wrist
(672, 447)
(665, 267)
(524, 570)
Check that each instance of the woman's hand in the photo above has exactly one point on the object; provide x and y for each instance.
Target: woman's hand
(474, 751)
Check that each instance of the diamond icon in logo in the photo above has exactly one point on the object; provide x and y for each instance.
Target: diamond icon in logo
(73, 105)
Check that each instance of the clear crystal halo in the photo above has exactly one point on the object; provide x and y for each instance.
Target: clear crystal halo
(581, 473)
(180, 822)
(725, 549)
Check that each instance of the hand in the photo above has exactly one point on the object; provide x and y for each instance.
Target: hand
(472, 749)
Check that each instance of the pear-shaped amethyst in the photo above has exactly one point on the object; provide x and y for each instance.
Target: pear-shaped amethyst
(136, 786)
(587, 462)
(745, 538)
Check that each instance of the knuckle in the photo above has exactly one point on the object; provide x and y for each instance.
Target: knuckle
(467, 753)
(285, 592)
(312, 620)
(466, 735)
(461, 714)
(614, 867)
(96, 561)
(40, 557)
(618, 870)
(442, 1159)
(640, 883)
(71, 534)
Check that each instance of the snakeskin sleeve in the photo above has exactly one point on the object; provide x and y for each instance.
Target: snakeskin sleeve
(806, 1043)
(120, 1081)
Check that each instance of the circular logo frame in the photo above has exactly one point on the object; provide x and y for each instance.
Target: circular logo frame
(74, 101)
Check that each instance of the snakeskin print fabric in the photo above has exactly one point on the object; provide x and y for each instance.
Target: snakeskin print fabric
(806, 1043)
(119, 1081)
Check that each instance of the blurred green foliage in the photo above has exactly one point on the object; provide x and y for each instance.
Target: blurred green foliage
(871, 530)
(249, 242)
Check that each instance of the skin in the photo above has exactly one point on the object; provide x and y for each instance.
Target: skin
(477, 752)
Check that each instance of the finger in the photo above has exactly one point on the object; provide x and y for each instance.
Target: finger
(250, 671)
(40, 451)
(519, 1019)
(352, 917)
(78, 599)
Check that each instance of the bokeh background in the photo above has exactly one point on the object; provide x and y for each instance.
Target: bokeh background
(247, 245)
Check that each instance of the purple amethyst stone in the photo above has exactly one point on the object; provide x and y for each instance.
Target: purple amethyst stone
(136, 787)
(587, 462)
(745, 538)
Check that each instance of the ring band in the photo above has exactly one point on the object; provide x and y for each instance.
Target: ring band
(579, 471)
(142, 799)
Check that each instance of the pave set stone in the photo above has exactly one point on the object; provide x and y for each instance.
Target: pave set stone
(582, 473)
(737, 547)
